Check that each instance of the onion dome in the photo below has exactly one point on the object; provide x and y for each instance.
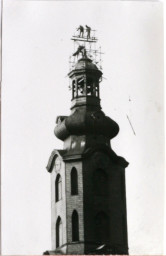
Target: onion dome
(83, 122)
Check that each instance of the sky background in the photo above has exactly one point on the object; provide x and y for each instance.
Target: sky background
(36, 47)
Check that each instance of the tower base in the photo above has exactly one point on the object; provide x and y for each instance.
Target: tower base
(98, 250)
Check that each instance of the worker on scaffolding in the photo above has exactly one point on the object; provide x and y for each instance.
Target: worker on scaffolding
(88, 30)
(81, 29)
(81, 49)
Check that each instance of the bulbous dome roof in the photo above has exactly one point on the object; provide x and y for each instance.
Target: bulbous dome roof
(85, 63)
(83, 122)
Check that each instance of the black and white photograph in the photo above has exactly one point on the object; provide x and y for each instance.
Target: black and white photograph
(82, 128)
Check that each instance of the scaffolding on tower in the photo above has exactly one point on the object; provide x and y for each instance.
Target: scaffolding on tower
(85, 45)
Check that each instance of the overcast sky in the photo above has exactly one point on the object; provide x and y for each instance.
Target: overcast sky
(36, 48)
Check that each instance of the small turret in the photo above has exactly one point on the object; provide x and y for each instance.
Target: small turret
(86, 116)
(85, 83)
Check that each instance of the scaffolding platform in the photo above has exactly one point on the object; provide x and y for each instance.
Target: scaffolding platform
(84, 39)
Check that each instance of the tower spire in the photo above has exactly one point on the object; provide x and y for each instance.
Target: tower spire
(87, 177)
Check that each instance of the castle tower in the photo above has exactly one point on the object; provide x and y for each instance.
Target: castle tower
(88, 202)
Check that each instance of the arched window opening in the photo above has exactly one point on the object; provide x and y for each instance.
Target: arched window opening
(89, 86)
(59, 233)
(80, 86)
(97, 89)
(73, 88)
(100, 183)
(58, 188)
(102, 227)
(74, 182)
(75, 226)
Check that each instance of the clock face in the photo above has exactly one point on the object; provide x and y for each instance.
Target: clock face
(57, 164)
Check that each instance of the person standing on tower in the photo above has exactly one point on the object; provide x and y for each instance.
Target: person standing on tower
(81, 29)
(88, 30)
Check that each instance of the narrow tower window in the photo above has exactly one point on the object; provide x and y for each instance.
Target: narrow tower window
(89, 86)
(74, 182)
(75, 226)
(58, 188)
(73, 89)
(59, 233)
(102, 227)
(80, 86)
(100, 183)
(97, 89)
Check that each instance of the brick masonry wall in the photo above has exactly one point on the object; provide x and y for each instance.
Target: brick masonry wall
(74, 202)
(58, 208)
(87, 204)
